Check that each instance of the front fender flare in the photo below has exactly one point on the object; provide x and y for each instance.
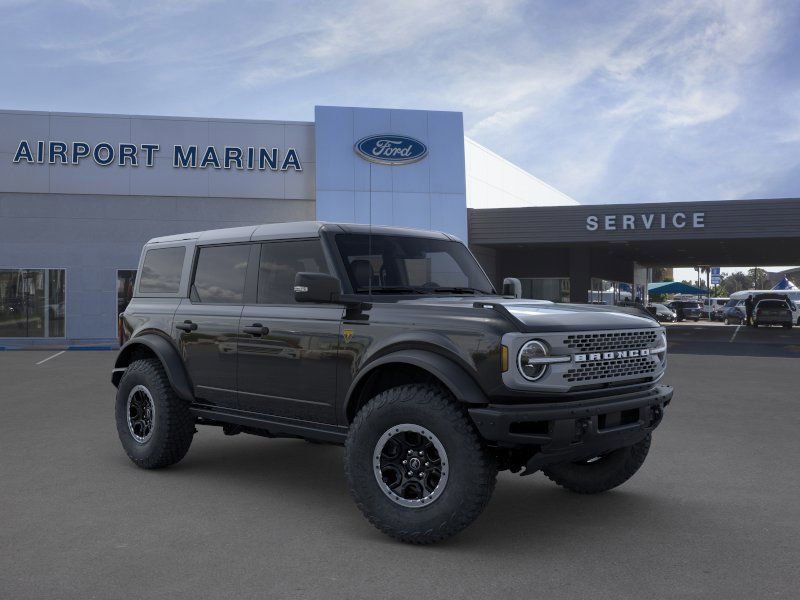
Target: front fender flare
(166, 353)
(454, 377)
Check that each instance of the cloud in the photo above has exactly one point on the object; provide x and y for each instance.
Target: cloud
(623, 101)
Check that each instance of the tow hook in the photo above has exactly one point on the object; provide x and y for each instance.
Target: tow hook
(581, 427)
(656, 413)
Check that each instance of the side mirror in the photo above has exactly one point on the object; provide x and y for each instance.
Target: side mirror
(512, 287)
(316, 287)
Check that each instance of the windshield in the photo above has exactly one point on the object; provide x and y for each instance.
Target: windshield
(384, 264)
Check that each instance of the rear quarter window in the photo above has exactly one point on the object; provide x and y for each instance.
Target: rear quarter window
(161, 270)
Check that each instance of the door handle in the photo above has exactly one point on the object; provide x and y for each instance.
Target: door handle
(186, 326)
(256, 329)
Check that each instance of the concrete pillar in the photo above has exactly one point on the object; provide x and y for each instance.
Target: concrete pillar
(580, 274)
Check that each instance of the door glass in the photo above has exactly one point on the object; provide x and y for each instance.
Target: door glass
(280, 262)
(13, 321)
(220, 274)
(56, 303)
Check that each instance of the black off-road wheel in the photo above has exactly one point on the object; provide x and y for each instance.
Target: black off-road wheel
(153, 424)
(601, 473)
(415, 465)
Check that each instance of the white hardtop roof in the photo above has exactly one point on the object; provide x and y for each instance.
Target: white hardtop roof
(294, 229)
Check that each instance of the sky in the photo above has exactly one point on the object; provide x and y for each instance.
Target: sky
(607, 101)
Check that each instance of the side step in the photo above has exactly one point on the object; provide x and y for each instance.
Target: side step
(274, 425)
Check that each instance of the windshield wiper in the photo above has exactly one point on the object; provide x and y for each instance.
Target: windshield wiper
(460, 290)
(392, 289)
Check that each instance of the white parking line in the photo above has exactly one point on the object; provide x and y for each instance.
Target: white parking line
(49, 357)
(733, 337)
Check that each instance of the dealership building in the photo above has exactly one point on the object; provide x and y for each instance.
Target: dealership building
(81, 193)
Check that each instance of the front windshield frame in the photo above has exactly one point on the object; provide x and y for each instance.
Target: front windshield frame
(475, 281)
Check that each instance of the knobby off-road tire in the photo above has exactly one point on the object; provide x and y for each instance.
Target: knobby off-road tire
(602, 474)
(169, 435)
(469, 474)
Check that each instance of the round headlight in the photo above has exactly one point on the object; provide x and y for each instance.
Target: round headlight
(662, 343)
(526, 360)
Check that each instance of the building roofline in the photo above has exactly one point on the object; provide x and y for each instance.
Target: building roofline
(149, 117)
(521, 170)
(639, 206)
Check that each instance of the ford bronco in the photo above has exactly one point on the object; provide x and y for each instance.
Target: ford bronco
(394, 343)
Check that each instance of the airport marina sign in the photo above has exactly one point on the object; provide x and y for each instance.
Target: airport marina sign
(105, 154)
(646, 221)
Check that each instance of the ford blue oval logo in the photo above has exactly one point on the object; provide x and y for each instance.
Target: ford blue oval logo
(388, 149)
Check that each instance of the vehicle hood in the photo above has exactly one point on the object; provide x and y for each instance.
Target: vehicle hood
(539, 315)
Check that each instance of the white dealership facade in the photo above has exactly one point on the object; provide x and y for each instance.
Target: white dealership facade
(81, 193)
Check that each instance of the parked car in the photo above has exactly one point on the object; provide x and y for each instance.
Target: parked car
(792, 295)
(686, 309)
(393, 343)
(713, 308)
(663, 313)
(734, 312)
(772, 312)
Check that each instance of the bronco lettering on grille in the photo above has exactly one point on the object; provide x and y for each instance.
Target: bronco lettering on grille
(595, 356)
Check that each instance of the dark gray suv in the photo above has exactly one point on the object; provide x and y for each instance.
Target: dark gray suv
(394, 343)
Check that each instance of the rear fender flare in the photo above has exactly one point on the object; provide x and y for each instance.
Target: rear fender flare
(168, 355)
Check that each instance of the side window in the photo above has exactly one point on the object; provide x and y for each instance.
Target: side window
(280, 262)
(161, 270)
(220, 274)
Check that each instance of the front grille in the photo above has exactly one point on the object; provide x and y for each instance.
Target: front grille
(612, 340)
(618, 368)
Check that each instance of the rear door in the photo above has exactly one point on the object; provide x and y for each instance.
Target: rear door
(288, 351)
(207, 322)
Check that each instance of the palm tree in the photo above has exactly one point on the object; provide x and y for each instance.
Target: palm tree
(759, 278)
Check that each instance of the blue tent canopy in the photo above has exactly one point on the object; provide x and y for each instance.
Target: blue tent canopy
(674, 287)
(785, 284)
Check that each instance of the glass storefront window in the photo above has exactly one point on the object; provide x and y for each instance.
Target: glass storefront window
(126, 279)
(605, 291)
(555, 289)
(32, 303)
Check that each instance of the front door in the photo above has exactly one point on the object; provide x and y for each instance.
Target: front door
(287, 351)
(207, 323)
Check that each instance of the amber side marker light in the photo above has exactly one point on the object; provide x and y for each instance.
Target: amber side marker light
(504, 358)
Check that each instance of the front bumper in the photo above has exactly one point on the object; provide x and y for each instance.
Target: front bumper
(568, 431)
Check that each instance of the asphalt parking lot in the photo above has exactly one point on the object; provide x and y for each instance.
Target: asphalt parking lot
(714, 512)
